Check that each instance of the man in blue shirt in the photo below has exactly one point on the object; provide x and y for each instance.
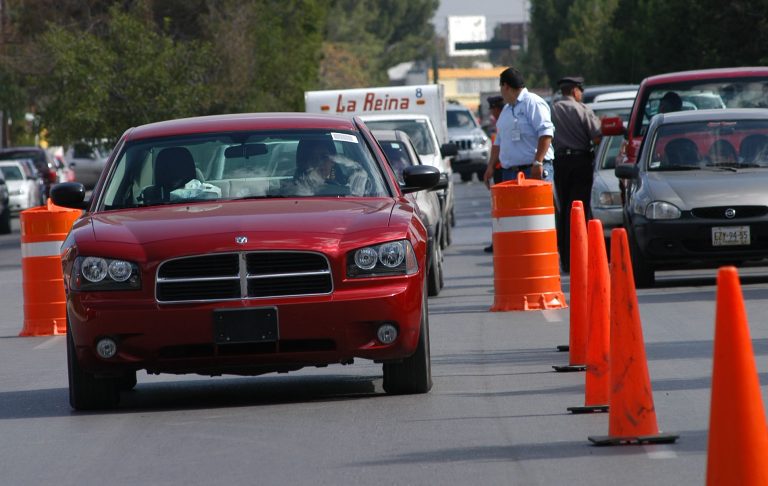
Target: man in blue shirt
(523, 132)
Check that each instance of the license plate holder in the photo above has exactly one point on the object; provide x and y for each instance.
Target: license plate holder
(258, 325)
(731, 236)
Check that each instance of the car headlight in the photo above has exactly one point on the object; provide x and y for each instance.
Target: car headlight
(609, 198)
(662, 210)
(386, 259)
(480, 141)
(97, 273)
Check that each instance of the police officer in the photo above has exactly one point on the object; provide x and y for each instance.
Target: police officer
(577, 128)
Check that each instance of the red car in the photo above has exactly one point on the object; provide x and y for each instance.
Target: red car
(741, 87)
(245, 244)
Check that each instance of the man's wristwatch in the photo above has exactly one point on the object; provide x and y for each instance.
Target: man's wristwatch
(536, 162)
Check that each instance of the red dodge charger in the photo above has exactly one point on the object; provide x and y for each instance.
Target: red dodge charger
(245, 244)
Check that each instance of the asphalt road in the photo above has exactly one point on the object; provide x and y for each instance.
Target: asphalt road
(496, 415)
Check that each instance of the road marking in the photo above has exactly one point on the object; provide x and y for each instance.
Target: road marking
(48, 343)
(552, 315)
(659, 454)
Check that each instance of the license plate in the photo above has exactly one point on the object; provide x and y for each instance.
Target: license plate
(245, 325)
(730, 236)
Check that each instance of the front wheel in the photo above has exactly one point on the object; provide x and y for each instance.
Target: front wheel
(413, 374)
(434, 275)
(86, 392)
(644, 274)
(5, 221)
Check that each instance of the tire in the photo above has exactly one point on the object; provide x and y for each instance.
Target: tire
(434, 275)
(414, 374)
(466, 176)
(5, 221)
(480, 175)
(127, 382)
(86, 392)
(644, 274)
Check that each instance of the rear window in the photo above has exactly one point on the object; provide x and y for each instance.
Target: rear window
(701, 95)
(417, 130)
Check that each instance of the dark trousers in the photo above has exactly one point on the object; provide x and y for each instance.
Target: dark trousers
(573, 182)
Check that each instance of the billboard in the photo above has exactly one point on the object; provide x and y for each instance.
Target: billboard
(466, 28)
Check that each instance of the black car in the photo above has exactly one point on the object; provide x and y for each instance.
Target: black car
(45, 164)
(5, 207)
(696, 197)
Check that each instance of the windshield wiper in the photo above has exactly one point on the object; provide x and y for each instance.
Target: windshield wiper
(265, 196)
(671, 168)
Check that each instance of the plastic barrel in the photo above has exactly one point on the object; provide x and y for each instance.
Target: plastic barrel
(43, 230)
(526, 272)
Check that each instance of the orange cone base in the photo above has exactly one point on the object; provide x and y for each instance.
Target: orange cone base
(564, 347)
(605, 440)
(570, 368)
(551, 300)
(589, 409)
(44, 327)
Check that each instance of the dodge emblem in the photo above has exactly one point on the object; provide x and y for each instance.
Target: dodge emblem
(241, 240)
(730, 213)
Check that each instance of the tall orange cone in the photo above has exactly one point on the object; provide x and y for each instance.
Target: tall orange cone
(632, 416)
(577, 346)
(597, 386)
(738, 437)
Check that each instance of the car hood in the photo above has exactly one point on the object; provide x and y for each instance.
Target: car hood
(689, 189)
(298, 224)
(460, 133)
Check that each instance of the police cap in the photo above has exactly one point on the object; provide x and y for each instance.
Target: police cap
(569, 81)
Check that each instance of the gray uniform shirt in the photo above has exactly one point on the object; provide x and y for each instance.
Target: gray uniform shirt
(575, 124)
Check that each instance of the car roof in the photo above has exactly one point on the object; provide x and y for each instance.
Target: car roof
(413, 116)
(712, 115)
(455, 107)
(389, 135)
(611, 105)
(240, 122)
(733, 72)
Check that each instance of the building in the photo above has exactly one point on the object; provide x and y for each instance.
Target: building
(465, 84)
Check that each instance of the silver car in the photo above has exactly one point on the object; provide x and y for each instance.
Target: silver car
(87, 162)
(605, 200)
(697, 196)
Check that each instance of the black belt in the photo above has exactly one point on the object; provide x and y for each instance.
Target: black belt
(528, 166)
(560, 153)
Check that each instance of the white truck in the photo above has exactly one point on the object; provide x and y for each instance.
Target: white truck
(419, 111)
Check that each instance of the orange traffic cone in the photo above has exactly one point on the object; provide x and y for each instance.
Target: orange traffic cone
(577, 346)
(597, 386)
(738, 437)
(632, 416)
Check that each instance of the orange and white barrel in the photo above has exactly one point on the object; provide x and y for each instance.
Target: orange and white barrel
(526, 272)
(43, 230)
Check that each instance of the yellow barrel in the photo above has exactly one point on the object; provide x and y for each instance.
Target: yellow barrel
(526, 272)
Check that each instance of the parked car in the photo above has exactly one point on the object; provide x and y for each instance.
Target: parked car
(615, 108)
(474, 146)
(703, 89)
(245, 244)
(23, 187)
(5, 207)
(87, 162)
(696, 197)
(46, 166)
(605, 199)
(400, 153)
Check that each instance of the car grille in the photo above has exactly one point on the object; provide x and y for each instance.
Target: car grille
(463, 144)
(719, 212)
(251, 275)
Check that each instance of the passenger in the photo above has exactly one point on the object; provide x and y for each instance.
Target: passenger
(321, 171)
(670, 102)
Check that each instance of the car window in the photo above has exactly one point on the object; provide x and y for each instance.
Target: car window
(710, 145)
(12, 172)
(611, 152)
(243, 165)
(702, 95)
(417, 130)
(460, 119)
(397, 156)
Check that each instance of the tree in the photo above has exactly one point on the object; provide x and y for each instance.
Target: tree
(579, 51)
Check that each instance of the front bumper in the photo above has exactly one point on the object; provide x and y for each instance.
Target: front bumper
(687, 242)
(312, 331)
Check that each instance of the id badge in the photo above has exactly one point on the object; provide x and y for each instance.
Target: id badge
(514, 135)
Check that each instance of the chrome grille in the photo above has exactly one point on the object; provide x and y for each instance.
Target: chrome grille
(463, 144)
(718, 212)
(246, 275)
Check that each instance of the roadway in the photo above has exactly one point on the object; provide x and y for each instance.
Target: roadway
(496, 415)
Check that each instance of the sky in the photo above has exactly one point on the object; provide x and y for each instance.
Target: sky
(494, 11)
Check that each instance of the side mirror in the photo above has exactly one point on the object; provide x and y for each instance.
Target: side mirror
(419, 177)
(69, 195)
(627, 171)
(449, 149)
(442, 184)
(612, 125)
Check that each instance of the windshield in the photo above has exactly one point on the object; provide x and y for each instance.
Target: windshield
(703, 95)
(417, 130)
(716, 145)
(461, 119)
(228, 166)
